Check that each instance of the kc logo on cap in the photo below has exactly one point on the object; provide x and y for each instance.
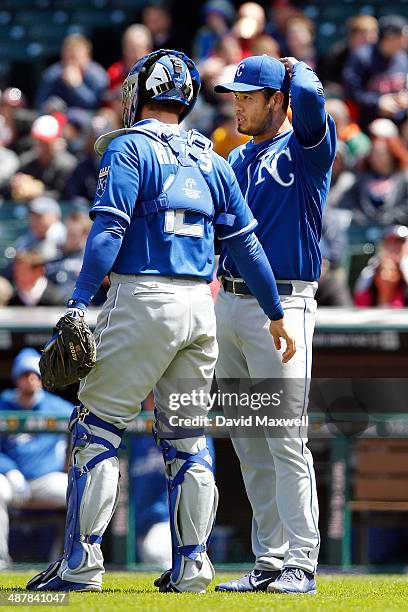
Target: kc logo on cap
(257, 72)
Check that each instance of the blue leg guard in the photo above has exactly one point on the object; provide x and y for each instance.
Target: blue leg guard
(80, 425)
(91, 500)
(193, 500)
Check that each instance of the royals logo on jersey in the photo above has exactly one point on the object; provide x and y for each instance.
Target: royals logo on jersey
(102, 180)
(269, 164)
(286, 185)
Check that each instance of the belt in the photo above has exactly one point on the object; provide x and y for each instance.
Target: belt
(238, 287)
(294, 287)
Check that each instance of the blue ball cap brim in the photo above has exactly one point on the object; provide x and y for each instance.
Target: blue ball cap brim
(258, 72)
(240, 87)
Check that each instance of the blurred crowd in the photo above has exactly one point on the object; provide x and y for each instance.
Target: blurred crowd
(47, 156)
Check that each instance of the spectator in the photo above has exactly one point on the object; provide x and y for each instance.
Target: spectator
(264, 44)
(207, 108)
(63, 271)
(82, 182)
(15, 120)
(8, 166)
(6, 291)
(32, 467)
(333, 289)
(74, 129)
(219, 16)
(136, 42)
(300, 36)
(384, 281)
(380, 194)
(375, 75)
(46, 231)
(76, 79)
(360, 30)
(228, 50)
(46, 166)
(282, 11)
(156, 16)
(31, 286)
(404, 132)
(249, 26)
(357, 142)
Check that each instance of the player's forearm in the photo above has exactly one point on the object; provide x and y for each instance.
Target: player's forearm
(307, 104)
(255, 269)
(102, 248)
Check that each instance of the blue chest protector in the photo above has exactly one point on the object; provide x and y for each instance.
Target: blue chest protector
(187, 189)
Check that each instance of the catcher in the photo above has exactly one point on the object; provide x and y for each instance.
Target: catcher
(161, 196)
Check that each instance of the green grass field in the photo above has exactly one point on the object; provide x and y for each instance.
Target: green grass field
(135, 591)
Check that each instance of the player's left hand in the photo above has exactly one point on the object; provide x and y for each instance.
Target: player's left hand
(280, 331)
(289, 63)
(70, 354)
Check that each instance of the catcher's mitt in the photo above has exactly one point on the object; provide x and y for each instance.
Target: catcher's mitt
(69, 355)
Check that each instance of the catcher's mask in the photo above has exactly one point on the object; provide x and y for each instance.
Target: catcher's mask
(162, 75)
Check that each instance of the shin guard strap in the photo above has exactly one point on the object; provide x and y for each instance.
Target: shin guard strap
(191, 551)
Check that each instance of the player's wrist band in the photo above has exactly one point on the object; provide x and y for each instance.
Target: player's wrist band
(76, 304)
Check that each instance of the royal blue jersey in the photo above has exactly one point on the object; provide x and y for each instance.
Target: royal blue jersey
(136, 170)
(34, 454)
(285, 181)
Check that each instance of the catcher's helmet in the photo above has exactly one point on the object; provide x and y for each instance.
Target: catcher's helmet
(162, 75)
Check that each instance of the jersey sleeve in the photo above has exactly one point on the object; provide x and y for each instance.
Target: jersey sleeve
(308, 105)
(321, 155)
(118, 185)
(235, 217)
(314, 129)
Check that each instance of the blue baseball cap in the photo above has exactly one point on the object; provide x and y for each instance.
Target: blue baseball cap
(27, 360)
(257, 72)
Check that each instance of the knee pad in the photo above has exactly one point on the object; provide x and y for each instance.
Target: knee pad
(79, 481)
(183, 550)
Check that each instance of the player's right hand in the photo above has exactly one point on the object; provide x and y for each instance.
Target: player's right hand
(280, 331)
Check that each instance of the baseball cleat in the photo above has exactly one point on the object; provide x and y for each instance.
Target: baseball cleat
(164, 583)
(257, 580)
(57, 584)
(293, 580)
(163, 579)
(168, 588)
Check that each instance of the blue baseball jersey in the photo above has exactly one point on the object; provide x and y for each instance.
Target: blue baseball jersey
(286, 180)
(140, 174)
(34, 454)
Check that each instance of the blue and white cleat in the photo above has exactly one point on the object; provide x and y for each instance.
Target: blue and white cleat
(64, 586)
(293, 580)
(257, 580)
(48, 580)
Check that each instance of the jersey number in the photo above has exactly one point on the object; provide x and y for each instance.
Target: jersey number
(174, 224)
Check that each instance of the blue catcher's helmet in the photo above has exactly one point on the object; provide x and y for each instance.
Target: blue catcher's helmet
(162, 75)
